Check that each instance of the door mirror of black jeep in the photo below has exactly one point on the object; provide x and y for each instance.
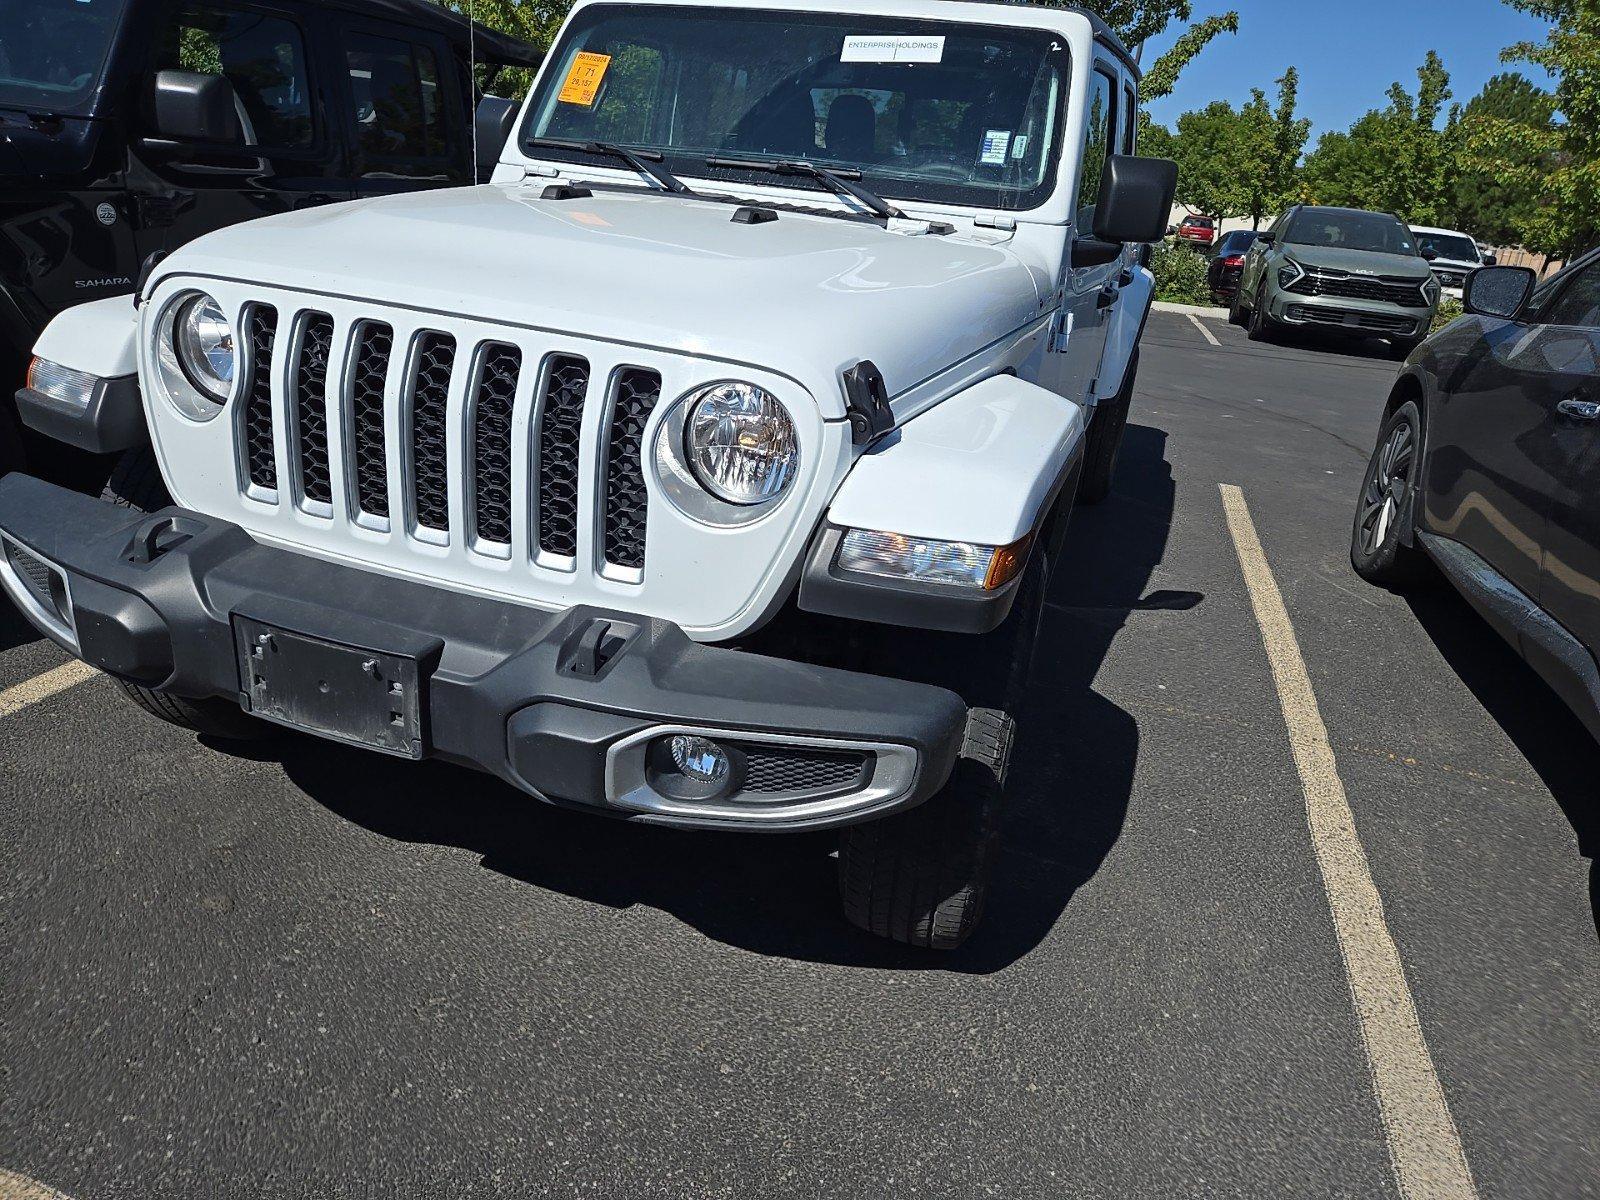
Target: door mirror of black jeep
(494, 121)
(1135, 199)
(192, 107)
(1499, 291)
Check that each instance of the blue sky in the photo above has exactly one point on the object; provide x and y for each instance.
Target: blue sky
(1348, 52)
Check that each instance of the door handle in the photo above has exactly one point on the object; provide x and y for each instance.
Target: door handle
(1579, 410)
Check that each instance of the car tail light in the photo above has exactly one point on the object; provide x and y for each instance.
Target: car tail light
(1233, 260)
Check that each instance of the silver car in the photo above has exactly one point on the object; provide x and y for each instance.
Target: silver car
(1342, 270)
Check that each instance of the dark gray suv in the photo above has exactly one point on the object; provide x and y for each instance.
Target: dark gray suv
(1338, 269)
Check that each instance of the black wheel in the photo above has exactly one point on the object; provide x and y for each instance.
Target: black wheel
(921, 877)
(1377, 548)
(1104, 439)
(1236, 313)
(1260, 327)
(136, 483)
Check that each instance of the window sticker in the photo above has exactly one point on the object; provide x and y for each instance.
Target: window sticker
(892, 48)
(582, 83)
(1019, 145)
(995, 144)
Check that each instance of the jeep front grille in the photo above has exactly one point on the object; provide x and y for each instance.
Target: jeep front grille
(372, 406)
(369, 445)
(255, 434)
(311, 406)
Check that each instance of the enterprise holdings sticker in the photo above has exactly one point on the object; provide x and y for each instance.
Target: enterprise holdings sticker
(106, 214)
(893, 47)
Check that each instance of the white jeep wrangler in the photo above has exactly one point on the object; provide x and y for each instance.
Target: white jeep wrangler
(705, 468)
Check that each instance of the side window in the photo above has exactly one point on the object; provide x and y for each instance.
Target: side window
(1099, 139)
(1577, 303)
(399, 106)
(1130, 121)
(262, 56)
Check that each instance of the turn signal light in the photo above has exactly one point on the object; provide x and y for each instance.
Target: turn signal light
(1007, 563)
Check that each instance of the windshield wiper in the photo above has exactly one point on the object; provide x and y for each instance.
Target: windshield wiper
(646, 162)
(838, 181)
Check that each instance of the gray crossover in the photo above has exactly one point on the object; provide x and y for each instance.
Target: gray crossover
(1338, 269)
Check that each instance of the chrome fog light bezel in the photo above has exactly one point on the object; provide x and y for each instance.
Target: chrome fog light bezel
(682, 485)
(176, 381)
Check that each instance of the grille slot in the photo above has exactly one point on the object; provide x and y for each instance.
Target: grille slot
(368, 443)
(430, 390)
(491, 442)
(771, 769)
(559, 426)
(311, 406)
(261, 330)
(626, 501)
(43, 583)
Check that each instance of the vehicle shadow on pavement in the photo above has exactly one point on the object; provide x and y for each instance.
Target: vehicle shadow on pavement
(1547, 733)
(777, 895)
(14, 627)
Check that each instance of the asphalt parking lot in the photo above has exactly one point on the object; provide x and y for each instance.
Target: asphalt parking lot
(295, 970)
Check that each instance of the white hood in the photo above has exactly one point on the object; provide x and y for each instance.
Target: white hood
(805, 296)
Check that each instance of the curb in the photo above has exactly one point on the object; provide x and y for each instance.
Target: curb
(1190, 310)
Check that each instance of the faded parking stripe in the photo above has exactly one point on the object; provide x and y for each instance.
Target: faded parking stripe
(1204, 332)
(1424, 1145)
(42, 687)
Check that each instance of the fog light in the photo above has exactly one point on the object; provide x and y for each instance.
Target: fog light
(698, 758)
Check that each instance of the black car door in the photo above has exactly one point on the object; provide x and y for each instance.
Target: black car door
(1564, 364)
(1489, 472)
(286, 153)
(402, 109)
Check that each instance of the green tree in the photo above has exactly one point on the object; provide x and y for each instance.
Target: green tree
(1394, 159)
(1559, 162)
(1498, 207)
(1289, 136)
(1137, 21)
(1209, 147)
(535, 21)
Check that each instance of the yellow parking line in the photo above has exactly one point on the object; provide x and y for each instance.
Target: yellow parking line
(42, 687)
(1424, 1145)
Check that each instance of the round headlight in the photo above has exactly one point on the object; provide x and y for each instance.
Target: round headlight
(204, 342)
(740, 443)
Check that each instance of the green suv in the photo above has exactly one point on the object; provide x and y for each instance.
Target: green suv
(1337, 269)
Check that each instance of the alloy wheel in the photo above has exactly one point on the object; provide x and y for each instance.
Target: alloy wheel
(1387, 485)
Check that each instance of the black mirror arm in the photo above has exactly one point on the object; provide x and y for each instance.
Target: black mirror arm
(1090, 251)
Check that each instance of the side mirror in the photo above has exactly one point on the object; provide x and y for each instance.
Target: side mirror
(1491, 260)
(1430, 255)
(1135, 199)
(493, 123)
(1499, 291)
(1267, 240)
(191, 107)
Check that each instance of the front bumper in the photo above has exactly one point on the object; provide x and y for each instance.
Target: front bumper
(1341, 314)
(567, 706)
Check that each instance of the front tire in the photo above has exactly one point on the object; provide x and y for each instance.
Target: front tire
(136, 484)
(1378, 549)
(1104, 440)
(921, 877)
(1261, 327)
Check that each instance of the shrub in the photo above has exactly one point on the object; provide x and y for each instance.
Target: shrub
(1449, 309)
(1180, 274)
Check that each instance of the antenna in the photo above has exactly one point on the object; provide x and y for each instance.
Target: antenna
(472, 76)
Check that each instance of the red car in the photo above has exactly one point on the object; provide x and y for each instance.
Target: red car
(1202, 231)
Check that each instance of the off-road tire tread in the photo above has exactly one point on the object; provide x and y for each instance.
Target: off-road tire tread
(921, 877)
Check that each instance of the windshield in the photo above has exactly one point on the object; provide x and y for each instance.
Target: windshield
(925, 110)
(52, 52)
(1455, 246)
(1375, 232)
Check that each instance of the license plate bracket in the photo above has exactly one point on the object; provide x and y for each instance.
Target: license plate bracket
(351, 694)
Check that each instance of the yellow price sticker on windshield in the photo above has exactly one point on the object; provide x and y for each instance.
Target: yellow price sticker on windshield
(582, 83)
